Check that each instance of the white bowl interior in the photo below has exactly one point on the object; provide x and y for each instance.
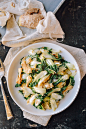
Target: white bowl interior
(18, 98)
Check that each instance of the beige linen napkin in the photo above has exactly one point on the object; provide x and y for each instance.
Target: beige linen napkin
(4, 16)
(17, 36)
(50, 25)
(78, 54)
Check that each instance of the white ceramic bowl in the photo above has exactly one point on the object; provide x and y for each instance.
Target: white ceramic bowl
(18, 98)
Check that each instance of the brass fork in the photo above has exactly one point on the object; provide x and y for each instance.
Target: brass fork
(7, 108)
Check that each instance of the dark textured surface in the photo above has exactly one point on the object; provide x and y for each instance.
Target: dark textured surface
(72, 16)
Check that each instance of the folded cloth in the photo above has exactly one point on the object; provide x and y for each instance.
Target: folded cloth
(50, 25)
(17, 36)
(4, 16)
(78, 54)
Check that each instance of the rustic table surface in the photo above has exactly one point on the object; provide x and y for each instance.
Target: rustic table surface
(72, 16)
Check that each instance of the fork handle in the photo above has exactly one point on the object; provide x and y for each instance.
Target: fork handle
(7, 108)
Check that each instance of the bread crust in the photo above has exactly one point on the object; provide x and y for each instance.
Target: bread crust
(31, 18)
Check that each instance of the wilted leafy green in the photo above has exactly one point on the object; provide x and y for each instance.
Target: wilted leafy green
(17, 85)
(72, 81)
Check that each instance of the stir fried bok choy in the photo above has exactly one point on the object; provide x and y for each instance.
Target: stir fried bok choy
(45, 77)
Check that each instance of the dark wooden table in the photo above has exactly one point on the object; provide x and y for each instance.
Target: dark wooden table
(72, 16)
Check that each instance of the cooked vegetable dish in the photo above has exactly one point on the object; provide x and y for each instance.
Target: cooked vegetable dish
(45, 77)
